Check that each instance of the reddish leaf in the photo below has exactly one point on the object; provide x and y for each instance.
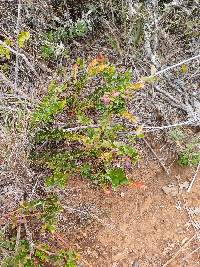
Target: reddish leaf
(107, 190)
(139, 185)
(100, 58)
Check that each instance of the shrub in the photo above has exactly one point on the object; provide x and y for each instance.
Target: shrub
(47, 51)
(95, 149)
(53, 40)
(177, 135)
(189, 157)
(19, 251)
(42, 255)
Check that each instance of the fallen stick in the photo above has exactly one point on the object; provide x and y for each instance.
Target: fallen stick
(154, 153)
(177, 65)
(176, 254)
(194, 178)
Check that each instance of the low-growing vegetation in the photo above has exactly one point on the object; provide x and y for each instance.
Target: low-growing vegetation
(93, 149)
(83, 87)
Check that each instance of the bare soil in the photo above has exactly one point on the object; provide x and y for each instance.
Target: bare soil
(134, 226)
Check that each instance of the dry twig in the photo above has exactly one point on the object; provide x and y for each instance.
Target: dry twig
(177, 65)
(194, 178)
(6, 80)
(17, 46)
(191, 253)
(18, 237)
(23, 56)
(177, 253)
(160, 162)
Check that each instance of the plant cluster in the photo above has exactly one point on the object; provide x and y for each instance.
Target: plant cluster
(190, 156)
(17, 246)
(53, 40)
(81, 133)
(20, 251)
(83, 127)
(5, 52)
(93, 149)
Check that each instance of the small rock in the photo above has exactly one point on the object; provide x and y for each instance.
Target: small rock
(135, 264)
(184, 186)
(170, 190)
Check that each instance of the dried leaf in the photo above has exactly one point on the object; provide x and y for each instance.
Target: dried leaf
(75, 71)
(101, 58)
(107, 156)
(153, 70)
(139, 130)
(149, 79)
(130, 117)
(95, 67)
(137, 85)
(194, 211)
(139, 185)
(107, 190)
(135, 264)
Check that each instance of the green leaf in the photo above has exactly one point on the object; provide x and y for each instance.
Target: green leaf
(71, 261)
(41, 255)
(117, 177)
(184, 68)
(47, 109)
(79, 29)
(80, 62)
(22, 38)
(47, 51)
(83, 119)
(86, 170)
(127, 150)
(29, 263)
(177, 135)
(5, 52)
(57, 179)
(189, 158)
(7, 244)
(50, 227)
(8, 42)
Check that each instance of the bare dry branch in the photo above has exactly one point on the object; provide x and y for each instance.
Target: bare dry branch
(177, 65)
(156, 156)
(23, 56)
(6, 80)
(194, 178)
(177, 253)
(17, 46)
